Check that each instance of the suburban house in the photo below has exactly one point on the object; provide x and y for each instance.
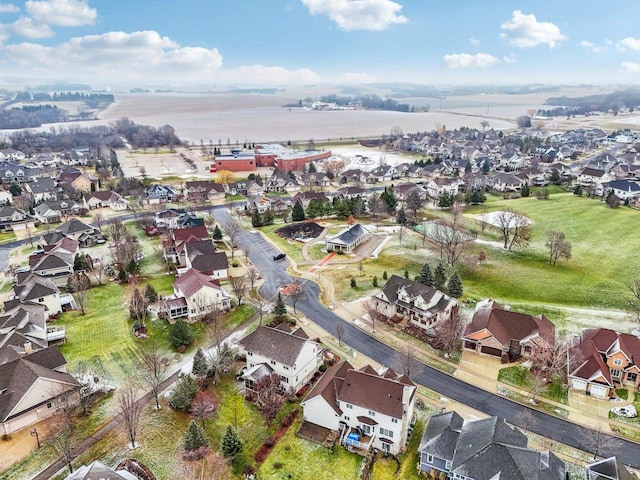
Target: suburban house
(196, 294)
(52, 211)
(608, 469)
(505, 182)
(31, 387)
(12, 218)
(280, 181)
(55, 265)
(201, 255)
(97, 470)
(157, 194)
(348, 239)
(41, 190)
(505, 334)
(436, 187)
(80, 181)
(22, 323)
(113, 200)
(368, 409)
(454, 448)
(86, 235)
(12, 173)
(178, 238)
(593, 176)
(290, 354)
(40, 290)
(169, 217)
(306, 197)
(421, 305)
(608, 360)
(623, 189)
(201, 190)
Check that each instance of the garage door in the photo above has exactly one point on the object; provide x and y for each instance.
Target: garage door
(599, 391)
(579, 384)
(492, 351)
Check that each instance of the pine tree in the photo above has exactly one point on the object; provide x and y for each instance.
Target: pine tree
(267, 218)
(150, 294)
(384, 275)
(180, 334)
(353, 283)
(426, 276)
(200, 366)
(312, 168)
(439, 277)
(524, 191)
(406, 274)
(280, 308)
(297, 214)
(455, 285)
(230, 445)
(217, 234)
(194, 438)
(256, 219)
(375, 281)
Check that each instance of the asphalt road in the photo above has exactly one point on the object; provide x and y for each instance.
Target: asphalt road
(261, 254)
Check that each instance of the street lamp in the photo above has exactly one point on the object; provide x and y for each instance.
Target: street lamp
(34, 433)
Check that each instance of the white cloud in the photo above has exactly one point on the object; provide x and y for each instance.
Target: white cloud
(8, 8)
(629, 43)
(358, 14)
(630, 67)
(525, 31)
(64, 13)
(260, 74)
(356, 78)
(116, 56)
(466, 60)
(591, 46)
(474, 41)
(27, 27)
(511, 58)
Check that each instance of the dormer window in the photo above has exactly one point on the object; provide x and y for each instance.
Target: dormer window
(617, 362)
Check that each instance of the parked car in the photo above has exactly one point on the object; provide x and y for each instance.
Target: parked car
(280, 256)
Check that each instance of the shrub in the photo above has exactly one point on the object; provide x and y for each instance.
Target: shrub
(269, 442)
(277, 465)
(353, 283)
(180, 334)
(322, 368)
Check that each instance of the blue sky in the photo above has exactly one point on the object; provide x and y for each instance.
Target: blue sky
(302, 42)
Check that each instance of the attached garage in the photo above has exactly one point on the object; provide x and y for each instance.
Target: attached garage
(579, 384)
(599, 391)
(496, 352)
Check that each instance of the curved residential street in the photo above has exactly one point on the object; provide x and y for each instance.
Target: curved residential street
(548, 426)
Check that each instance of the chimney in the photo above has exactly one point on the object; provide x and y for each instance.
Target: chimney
(28, 348)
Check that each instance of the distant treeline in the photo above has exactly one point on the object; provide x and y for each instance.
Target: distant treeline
(629, 98)
(94, 138)
(31, 116)
(88, 98)
(370, 102)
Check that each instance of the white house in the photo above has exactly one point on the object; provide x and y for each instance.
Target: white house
(201, 294)
(292, 355)
(36, 289)
(370, 409)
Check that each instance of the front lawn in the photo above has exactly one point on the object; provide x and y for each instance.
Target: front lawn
(294, 457)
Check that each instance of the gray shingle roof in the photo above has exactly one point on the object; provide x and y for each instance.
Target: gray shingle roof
(283, 347)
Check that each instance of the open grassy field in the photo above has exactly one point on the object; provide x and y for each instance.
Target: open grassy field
(605, 255)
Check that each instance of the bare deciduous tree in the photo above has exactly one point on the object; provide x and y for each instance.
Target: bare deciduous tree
(599, 443)
(239, 286)
(296, 291)
(154, 366)
(64, 438)
(409, 361)
(526, 419)
(340, 330)
(514, 228)
(130, 411)
(634, 288)
(370, 307)
(264, 305)
(202, 407)
(232, 229)
(252, 276)
(80, 283)
(449, 333)
(450, 237)
(97, 269)
(268, 397)
(98, 219)
(559, 247)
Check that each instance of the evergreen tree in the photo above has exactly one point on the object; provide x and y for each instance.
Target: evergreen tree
(312, 168)
(183, 393)
(524, 191)
(439, 277)
(384, 275)
(150, 294)
(217, 234)
(230, 445)
(375, 281)
(401, 217)
(200, 366)
(297, 214)
(426, 276)
(445, 200)
(315, 208)
(390, 199)
(406, 274)
(455, 285)
(122, 276)
(256, 219)
(194, 438)
(267, 218)
(353, 283)
(180, 334)
(133, 267)
(280, 308)
(478, 197)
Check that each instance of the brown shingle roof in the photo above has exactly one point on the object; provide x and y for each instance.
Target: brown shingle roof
(190, 283)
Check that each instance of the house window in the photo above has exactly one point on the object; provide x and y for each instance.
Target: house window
(41, 299)
(429, 458)
(394, 420)
(273, 362)
(447, 464)
(250, 354)
(284, 379)
(347, 418)
(348, 405)
(632, 376)
(49, 405)
(372, 413)
(286, 368)
(617, 361)
(386, 433)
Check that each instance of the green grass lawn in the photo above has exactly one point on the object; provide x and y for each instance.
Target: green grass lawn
(605, 255)
(386, 468)
(519, 377)
(302, 459)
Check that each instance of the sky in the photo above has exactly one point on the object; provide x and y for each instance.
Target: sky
(110, 43)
